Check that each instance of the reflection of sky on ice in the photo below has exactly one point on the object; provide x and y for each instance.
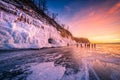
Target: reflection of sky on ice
(93, 65)
(103, 66)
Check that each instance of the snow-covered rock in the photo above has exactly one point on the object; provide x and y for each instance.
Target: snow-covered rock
(21, 30)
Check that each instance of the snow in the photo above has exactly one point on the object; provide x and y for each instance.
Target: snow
(46, 71)
(32, 34)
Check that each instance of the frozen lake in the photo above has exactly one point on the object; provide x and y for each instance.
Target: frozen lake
(65, 63)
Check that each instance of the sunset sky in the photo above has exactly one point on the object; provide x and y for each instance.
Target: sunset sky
(97, 20)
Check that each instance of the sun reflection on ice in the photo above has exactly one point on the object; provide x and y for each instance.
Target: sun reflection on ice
(96, 65)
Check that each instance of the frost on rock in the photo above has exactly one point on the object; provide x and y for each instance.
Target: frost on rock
(46, 71)
(24, 31)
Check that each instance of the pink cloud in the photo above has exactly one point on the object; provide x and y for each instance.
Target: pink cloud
(100, 20)
(115, 8)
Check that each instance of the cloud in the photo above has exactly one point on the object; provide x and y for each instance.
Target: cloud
(96, 20)
(67, 8)
(115, 8)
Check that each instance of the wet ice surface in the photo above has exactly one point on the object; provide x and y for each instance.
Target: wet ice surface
(67, 63)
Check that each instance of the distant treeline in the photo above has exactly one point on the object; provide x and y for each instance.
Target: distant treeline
(41, 4)
(81, 40)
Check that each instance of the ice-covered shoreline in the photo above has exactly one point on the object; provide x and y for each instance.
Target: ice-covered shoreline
(19, 29)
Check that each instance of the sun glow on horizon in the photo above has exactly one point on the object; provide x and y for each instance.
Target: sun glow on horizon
(114, 38)
(109, 38)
